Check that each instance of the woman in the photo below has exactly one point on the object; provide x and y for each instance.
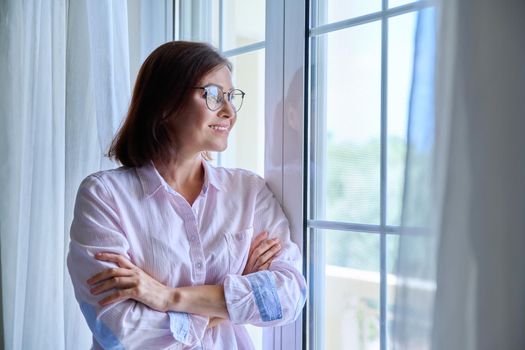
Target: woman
(163, 253)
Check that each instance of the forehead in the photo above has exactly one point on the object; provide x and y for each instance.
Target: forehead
(221, 77)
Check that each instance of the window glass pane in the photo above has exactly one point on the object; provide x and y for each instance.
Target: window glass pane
(198, 21)
(395, 3)
(329, 11)
(243, 23)
(347, 141)
(350, 278)
(215, 24)
(246, 142)
(401, 32)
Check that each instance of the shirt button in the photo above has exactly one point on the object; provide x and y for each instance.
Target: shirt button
(193, 238)
(198, 265)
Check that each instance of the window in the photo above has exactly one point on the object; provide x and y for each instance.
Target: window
(360, 72)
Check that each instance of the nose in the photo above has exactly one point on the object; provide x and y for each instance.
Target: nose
(227, 110)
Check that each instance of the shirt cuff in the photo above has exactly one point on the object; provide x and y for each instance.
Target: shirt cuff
(179, 325)
(187, 328)
(266, 298)
(254, 293)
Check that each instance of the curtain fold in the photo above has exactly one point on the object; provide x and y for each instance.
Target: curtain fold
(32, 152)
(98, 91)
(64, 69)
(419, 238)
(462, 271)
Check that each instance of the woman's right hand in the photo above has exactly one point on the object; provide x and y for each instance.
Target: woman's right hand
(262, 253)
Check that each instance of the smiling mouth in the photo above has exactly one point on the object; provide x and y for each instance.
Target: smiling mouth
(219, 127)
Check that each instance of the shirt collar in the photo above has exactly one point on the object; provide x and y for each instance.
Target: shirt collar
(211, 177)
(151, 181)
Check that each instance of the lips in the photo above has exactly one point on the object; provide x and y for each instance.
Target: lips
(220, 127)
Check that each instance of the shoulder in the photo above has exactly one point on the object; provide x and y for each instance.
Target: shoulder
(235, 178)
(106, 180)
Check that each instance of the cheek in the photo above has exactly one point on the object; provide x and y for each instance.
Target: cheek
(234, 121)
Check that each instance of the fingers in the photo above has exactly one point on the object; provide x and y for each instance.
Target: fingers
(265, 266)
(118, 259)
(262, 252)
(127, 282)
(109, 273)
(115, 282)
(264, 247)
(118, 277)
(258, 240)
(268, 256)
(215, 321)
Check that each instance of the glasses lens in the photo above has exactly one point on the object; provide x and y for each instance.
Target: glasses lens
(213, 97)
(236, 99)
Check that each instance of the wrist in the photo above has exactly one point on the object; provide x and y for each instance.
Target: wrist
(173, 300)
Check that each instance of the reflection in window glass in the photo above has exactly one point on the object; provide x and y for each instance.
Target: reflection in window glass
(243, 23)
(246, 142)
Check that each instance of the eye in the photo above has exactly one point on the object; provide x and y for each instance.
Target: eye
(214, 93)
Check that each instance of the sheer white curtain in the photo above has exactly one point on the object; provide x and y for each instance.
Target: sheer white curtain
(64, 72)
(461, 260)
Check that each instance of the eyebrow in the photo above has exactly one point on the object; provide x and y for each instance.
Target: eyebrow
(219, 85)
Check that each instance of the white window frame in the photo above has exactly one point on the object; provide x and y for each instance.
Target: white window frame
(284, 143)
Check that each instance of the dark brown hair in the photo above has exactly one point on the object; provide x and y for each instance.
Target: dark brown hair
(161, 92)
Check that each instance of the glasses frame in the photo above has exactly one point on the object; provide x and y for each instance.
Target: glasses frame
(229, 95)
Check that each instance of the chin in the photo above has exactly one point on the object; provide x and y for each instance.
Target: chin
(218, 148)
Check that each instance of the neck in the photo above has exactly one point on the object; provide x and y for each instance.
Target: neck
(183, 172)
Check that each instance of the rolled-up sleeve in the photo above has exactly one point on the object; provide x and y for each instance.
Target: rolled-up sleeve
(275, 296)
(127, 324)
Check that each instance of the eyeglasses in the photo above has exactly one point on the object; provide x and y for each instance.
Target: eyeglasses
(215, 97)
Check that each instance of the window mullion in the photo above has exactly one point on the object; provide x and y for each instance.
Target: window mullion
(383, 176)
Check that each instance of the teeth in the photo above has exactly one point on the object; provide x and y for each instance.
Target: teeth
(220, 128)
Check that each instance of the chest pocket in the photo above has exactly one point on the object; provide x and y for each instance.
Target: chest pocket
(238, 244)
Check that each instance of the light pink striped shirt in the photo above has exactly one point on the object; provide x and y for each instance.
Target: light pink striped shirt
(133, 211)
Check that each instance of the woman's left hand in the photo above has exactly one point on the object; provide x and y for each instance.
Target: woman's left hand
(129, 282)
(262, 252)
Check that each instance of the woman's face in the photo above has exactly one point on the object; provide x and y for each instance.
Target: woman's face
(200, 129)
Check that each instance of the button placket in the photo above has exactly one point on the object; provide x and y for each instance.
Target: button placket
(196, 252)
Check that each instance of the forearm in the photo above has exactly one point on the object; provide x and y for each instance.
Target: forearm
(207, 300)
